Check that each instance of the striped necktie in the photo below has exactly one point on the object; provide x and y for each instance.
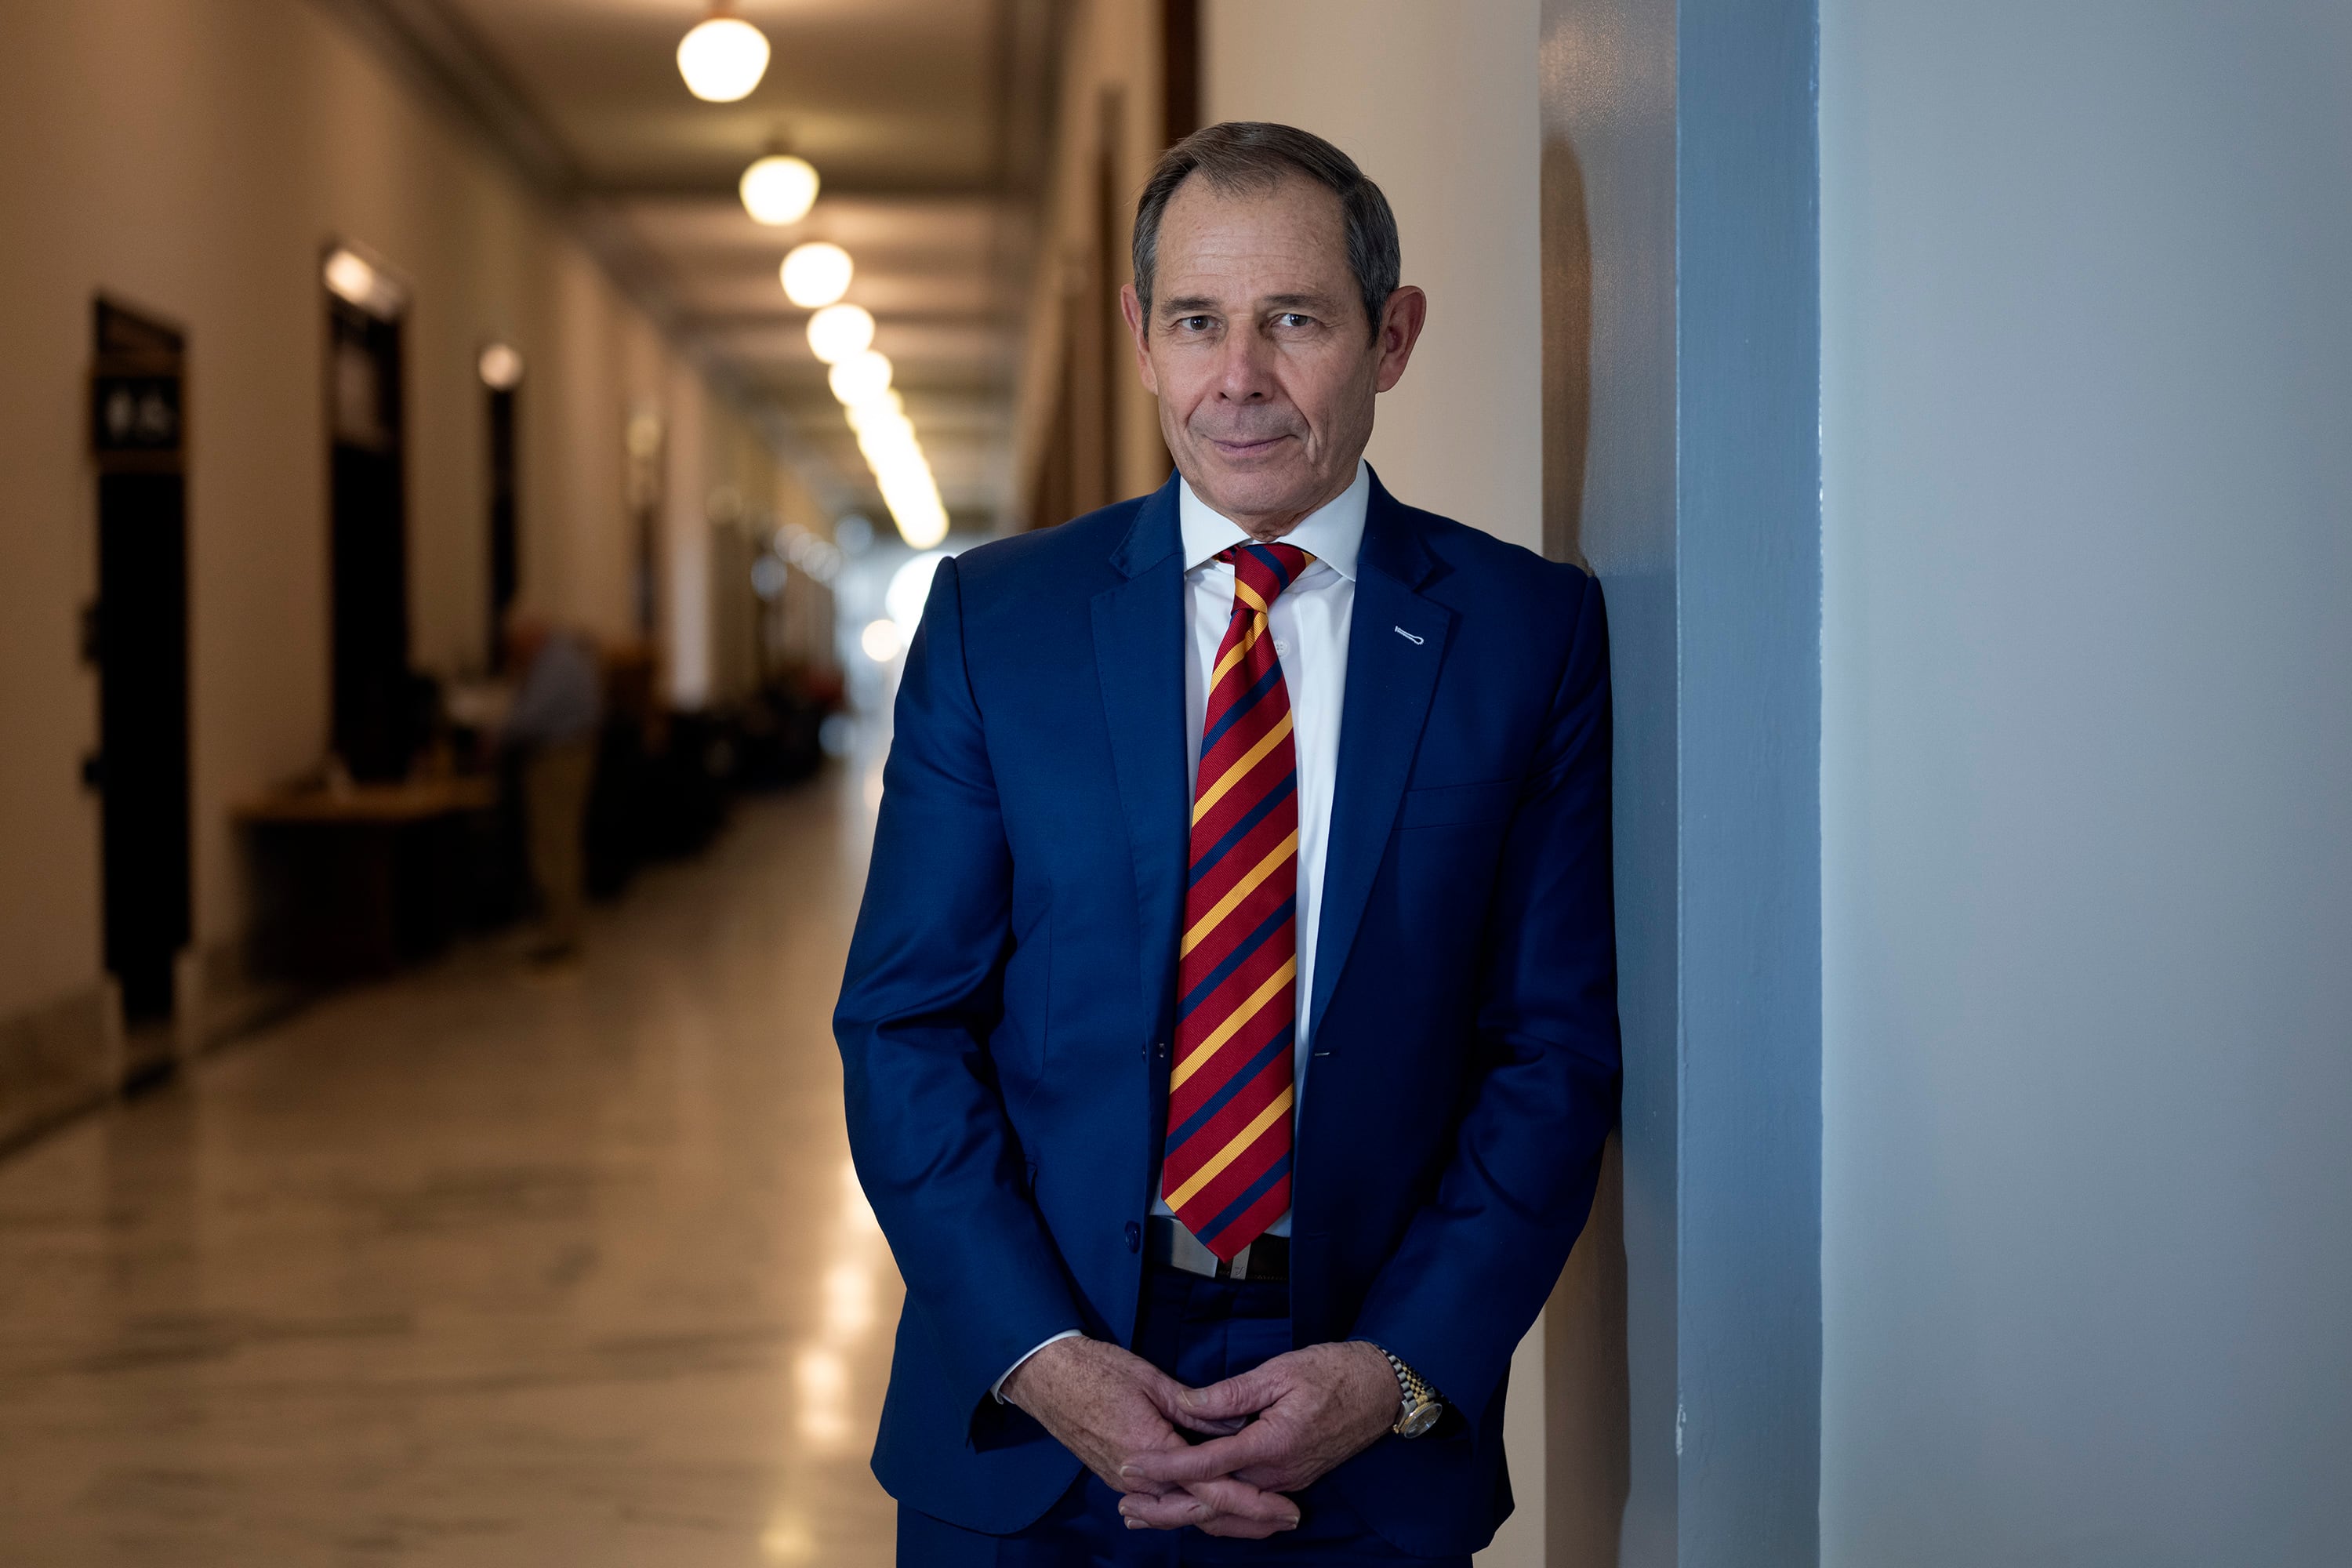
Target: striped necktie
(1227, 1174)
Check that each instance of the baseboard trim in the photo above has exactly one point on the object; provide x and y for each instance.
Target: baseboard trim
(219, 998)
(59, 1061)
(72, 1056)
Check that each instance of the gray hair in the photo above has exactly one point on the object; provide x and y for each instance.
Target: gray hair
(1251, 154)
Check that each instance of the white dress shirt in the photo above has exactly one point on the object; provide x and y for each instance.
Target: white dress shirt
(1310, 622)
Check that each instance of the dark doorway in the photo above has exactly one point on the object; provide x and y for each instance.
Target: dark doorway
(139, 640)
(646, 439)
(506, 548)
(375, 725)
(1179, 80)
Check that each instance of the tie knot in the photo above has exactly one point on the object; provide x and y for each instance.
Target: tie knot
(1266, 570)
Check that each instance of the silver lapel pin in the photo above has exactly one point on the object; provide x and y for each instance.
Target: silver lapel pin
(1408, 637)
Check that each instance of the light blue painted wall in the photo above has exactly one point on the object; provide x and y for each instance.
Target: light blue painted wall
(1681, 373)
(1606, 90)
(2087, 783)
(1749, 483)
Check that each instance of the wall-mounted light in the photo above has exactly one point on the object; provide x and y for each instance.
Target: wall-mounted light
(722, 58)
(500, 367)
(816, 274)
(358, 282)
(838, 332)
(779, 189)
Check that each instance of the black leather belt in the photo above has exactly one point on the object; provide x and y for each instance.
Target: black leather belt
(1173, 1246)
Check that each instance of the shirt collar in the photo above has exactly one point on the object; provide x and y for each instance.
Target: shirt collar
(1333, 532)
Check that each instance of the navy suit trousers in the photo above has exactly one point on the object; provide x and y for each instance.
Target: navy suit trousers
(1199, 1332)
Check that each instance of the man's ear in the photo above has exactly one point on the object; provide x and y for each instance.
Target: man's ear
(1401, 323)
(1132, 308)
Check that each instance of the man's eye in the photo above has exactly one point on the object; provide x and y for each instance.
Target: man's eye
(1294, 319)
(1190, 323)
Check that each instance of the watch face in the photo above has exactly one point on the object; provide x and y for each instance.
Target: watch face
(1419, 1420)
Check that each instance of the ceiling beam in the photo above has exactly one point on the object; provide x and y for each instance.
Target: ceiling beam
(857, 185)
(791, 315)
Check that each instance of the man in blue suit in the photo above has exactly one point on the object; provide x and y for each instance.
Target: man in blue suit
(1229, 1031)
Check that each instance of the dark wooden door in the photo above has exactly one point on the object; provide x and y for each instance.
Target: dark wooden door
(141, 652)
(375, 725)
(506, 545)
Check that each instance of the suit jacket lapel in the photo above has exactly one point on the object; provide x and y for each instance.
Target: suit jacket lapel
(1396, 642)
(1139, 640)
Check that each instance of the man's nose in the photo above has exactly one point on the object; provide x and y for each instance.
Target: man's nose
(1246, 370)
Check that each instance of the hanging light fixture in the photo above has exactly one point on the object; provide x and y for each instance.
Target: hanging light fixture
(723, 58)
(816, 274)
(779, 189)
(860, 378)
(888, 408)
(886, 440)
(839, 331)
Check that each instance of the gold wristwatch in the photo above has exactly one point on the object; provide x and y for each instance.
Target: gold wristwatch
(1423, 1404)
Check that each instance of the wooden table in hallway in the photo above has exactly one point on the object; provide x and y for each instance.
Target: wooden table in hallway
(482, 1266)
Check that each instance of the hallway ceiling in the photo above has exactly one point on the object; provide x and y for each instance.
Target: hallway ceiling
(925, 120)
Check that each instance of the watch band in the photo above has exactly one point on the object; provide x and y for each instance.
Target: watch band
(1422, 1405)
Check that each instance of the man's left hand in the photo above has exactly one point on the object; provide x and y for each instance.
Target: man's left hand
(1316, 1408)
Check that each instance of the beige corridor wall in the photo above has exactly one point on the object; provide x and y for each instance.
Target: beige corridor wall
(1110, 69)
(1438, 104)
(192, 157)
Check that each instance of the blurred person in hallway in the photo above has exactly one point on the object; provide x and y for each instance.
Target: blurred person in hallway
(551, 728)
(1257, 827)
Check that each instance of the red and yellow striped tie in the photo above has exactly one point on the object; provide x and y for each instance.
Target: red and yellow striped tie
(1227, 1171)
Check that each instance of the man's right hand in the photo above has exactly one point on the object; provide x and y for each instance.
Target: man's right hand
(1106, 1405)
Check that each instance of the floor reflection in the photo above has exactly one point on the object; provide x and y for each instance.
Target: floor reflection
(481, 1267)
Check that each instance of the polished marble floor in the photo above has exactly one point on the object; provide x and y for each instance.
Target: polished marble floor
(480, 1267)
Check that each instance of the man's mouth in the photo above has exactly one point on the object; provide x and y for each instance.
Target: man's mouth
(1245, 446)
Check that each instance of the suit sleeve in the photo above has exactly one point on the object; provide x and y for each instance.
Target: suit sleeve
(937, 1157)
(1480, 1259)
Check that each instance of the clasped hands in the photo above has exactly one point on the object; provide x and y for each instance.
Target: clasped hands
(1274, 1430)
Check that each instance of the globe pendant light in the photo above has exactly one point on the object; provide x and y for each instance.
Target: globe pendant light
(779, 189)
(860, 378)
(815, 274)
(722, 58)
(839, 331)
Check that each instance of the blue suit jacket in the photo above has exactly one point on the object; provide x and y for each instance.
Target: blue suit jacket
(1011, 991)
